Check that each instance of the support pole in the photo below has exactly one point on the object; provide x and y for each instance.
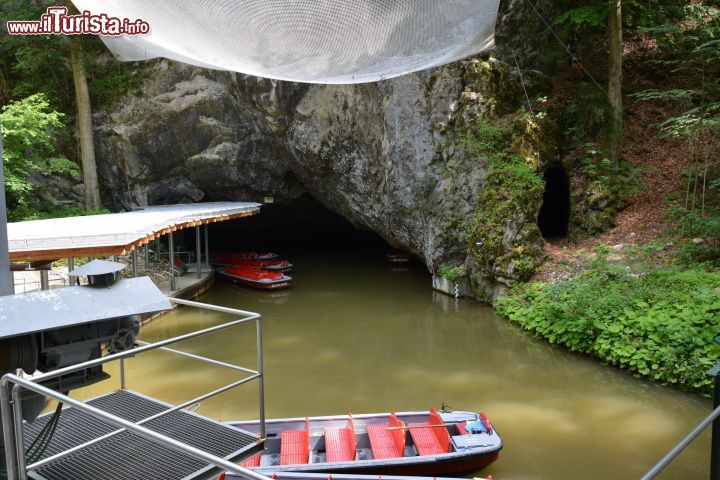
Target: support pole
(44, 280)
(71, 267)
(715, 445)
(172, 261)
(147, 258)
(134, 263)
(261, 380)
(198, 252)
(157, 249)
(5, 275)
(207, 245)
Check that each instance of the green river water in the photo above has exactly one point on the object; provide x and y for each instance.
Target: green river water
(354, 335)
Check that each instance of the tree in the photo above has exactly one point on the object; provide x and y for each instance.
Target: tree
(84, 121)
(615, 41)
(29, 129)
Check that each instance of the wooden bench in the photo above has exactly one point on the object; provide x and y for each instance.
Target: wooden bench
(340, 443)
(295, 446)
(430, 438)
(387, 440)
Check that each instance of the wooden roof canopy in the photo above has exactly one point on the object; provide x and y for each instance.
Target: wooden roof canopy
(114, 233)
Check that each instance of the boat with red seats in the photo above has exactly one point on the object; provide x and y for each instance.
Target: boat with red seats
(339, 476)
(409, 443)
(276, 265)
(254, 277)
(232, 258)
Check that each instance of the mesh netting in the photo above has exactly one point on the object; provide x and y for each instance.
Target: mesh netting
(319, 41)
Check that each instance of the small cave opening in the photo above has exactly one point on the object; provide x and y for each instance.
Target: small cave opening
(296, 226)
(554, 216)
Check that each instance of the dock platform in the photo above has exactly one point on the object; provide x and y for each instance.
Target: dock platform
(128, 456)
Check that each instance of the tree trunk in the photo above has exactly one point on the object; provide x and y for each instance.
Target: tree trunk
(615, 37)
(84, 113)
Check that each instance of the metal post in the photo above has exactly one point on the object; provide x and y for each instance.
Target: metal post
(207, 245)
(715, 445)
(71, 264)
(157, 249)
(44, 280)
(19, 433)
(5, 275)
(134, 263)
(147, 258)
(198, 252)
(122, 374)
(261, 380)
(172, 261)
(116, 258)
(8, 433)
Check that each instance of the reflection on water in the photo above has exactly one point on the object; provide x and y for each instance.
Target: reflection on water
(353, 335)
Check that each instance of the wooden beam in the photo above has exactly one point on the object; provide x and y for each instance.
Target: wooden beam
(31, 256)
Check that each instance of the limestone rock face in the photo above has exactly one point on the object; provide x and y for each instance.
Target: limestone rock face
(383, 155)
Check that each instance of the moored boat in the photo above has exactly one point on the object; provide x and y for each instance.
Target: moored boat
(254, 277)
(410, 443)
(276, 265)
(227, 258)
(397, 257)
(339, 476)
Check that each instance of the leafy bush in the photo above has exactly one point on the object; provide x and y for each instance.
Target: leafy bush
(655, 322)
(29, 131)
(452, 274)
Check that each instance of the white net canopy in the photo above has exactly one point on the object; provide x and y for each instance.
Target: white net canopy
(318, 41)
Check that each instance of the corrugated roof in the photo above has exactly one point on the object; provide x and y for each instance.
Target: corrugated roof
(62, 307)
(115, 233)
(96, 267)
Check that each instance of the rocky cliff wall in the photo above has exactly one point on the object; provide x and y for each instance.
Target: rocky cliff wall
(406, 158)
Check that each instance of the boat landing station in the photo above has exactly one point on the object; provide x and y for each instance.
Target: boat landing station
(34, 245)
(65, 336)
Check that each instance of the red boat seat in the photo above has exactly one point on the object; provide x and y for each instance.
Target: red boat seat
(386, 443)
(295, 446)
(340, 443)
(430, 440)
(251, 462)
(461, 429)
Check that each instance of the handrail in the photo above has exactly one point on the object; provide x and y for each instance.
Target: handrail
(12, 413)
(128, 425)
(681, 445)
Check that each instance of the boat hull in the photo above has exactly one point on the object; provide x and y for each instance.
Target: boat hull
(469, 456)
(263, 285)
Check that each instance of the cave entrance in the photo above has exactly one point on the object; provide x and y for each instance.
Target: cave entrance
(554, 214)
(300, 225)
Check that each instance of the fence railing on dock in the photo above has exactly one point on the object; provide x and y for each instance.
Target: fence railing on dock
(11, 386)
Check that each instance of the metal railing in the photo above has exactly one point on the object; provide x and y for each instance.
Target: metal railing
(12, 419)
(682, 445)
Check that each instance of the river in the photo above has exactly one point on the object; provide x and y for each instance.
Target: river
(355, 335)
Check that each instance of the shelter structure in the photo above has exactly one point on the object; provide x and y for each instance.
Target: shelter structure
(117, 234)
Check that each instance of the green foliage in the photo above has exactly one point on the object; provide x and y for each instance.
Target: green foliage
(593, 16)
(32, 64)
(44, 211)
(452, 274)
(512, 189)
(30, 128)
(658, 323)
(588, 115)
